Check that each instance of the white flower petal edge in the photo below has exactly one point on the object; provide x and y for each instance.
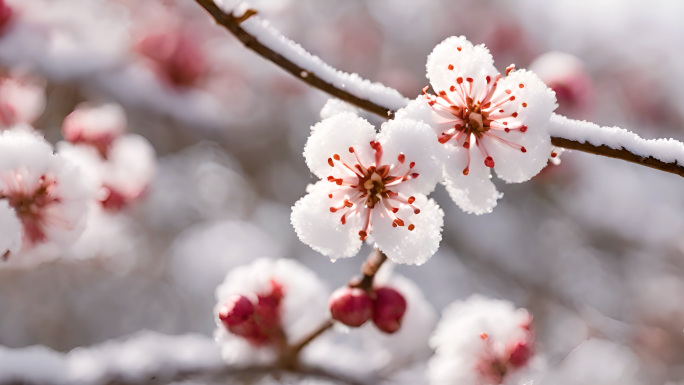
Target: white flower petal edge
(416, 142)
(469, 60)
(315, 226)
(411, 247)
(474, 193)
(512, 165)
(336, 135)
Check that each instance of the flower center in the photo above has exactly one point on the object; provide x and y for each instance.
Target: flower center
(366, 188)
(30, 205)
(474, 113)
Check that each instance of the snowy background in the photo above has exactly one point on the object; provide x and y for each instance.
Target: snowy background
(593, 248)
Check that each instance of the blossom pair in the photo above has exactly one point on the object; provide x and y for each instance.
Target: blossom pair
(476, 120)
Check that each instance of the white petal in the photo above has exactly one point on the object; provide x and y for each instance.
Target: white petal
(511, 164)
(417, 109)
(419, 144)
(468, 61)
(336, 135)
(322, 230)
(131, 164)
(410, 247)
(473, 193)
(10, 229)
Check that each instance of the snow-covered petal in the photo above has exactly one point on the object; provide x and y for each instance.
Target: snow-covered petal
(10, 230)
(416, 141)
(131, 164)
(21, 101)
(336, 135)
(474, 193)
(534, 105)
(319, 228)
(454, 57)
(416, 241)
(481, 341)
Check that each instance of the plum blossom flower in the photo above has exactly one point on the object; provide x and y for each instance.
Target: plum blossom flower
(45, 193)
(482, 341)
(120, 165)
(370, 183)
(483, 121)
(22, 100)
(264, 306)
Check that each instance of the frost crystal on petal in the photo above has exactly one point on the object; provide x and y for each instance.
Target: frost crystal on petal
(370, 180)
(483, 119)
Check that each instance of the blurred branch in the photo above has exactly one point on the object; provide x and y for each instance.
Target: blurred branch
(250, 374)
(232, 23)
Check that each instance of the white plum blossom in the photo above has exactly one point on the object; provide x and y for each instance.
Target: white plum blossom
(120, 165)
(97, 126)
(44, 192)
(371, 183)
(483, 121)
(288, 300)
(22, 100)
(481, 341)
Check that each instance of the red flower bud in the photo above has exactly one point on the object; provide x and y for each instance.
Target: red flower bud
(237, 310)
(520, 354)
(5, 14)
(388, 309)
(351, 306)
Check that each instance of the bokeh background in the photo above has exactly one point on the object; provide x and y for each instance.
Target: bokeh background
(593, 247)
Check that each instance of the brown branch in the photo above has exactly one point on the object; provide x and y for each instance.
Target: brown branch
(230, 374)
(232, 23)
(289, 357)
(621, 153)
(369, 269)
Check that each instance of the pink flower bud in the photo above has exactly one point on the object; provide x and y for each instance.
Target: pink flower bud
(520, 354)
(5, 15)
(388, 309)
(351, 306)
(237, 310)
(176, 57)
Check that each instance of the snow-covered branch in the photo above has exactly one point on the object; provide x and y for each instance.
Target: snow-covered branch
(146, 357)
(258, 35)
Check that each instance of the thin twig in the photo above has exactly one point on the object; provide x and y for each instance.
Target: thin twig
(232, 23)
(296, 348)
(621, 153)
(369, 269)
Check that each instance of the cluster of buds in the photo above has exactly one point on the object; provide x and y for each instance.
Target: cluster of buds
(353, 307)
(257, 320)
